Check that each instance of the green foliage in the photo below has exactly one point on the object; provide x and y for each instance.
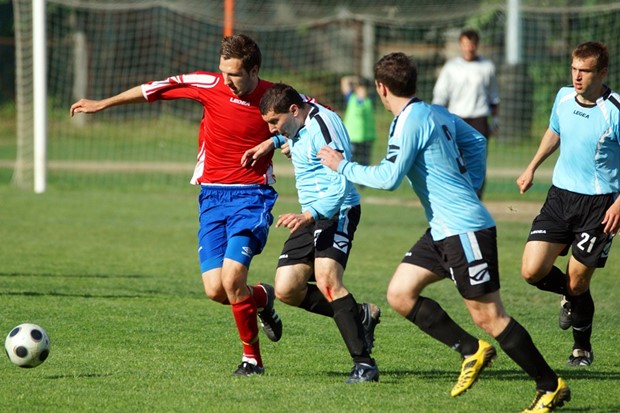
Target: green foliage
(8, 133)
(7, 53)
(555, 75)
(113, 277)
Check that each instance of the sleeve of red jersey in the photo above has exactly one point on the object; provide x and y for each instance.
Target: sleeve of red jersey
(187, 86)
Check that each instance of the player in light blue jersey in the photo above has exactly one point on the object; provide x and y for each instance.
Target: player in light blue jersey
(322, 234)
(582, 209)
(444, 160)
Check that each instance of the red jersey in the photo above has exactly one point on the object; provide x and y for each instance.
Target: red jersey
(230, 125)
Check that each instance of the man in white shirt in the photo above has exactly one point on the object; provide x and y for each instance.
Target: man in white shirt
(467, 86)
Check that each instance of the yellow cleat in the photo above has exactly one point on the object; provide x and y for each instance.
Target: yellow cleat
(472, 367)
(547, 401)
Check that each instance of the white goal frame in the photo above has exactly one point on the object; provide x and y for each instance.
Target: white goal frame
(39, 95)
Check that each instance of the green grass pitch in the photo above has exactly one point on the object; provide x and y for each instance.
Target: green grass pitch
(113, 277)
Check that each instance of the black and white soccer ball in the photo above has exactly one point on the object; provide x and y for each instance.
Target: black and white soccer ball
(27, 345)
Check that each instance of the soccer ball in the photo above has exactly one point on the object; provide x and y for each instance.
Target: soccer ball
(27, 345)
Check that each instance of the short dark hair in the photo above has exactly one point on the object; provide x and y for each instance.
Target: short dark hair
(398, 72)
(240, 46)
(279, 98)
(593, 49)
(471, 34)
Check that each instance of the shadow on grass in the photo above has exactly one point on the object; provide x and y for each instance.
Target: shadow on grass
(78, 376)
(54, 294)
(496, 374)
(21, 274)
(588, 374)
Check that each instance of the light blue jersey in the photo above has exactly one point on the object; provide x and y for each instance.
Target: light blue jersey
(423, 146)
(589, 148)
(321, 191)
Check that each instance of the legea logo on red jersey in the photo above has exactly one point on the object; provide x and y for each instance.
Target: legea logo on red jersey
(239, 102)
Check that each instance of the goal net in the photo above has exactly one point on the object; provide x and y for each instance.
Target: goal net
(96, 49)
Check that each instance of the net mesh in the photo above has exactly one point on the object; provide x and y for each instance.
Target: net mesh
(99, 48)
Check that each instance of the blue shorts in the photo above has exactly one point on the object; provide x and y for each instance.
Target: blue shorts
(234, 223)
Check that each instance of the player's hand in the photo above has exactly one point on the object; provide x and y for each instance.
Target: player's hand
(294, 221)
(252, 155)
(612, 219)
(85, 106)
(330, 157)
(285, 150)
(525, 181)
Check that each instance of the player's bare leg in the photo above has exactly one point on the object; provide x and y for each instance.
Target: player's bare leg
(538, 259)
(404, 295)
(488, 313)
(329, 274)
(576, 304)
(291, 283)
(293, 288)
(212, 283)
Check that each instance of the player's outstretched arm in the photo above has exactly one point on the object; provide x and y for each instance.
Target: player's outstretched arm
(133, 95)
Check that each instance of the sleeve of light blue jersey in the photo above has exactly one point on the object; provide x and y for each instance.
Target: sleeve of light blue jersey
(278, 141)
(401, 153)
(616, 126)
(554, 122)
(335, 186)
(473, 147)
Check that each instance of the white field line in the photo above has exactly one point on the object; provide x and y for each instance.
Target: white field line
(281, 169)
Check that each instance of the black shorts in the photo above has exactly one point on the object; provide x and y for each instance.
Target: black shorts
(575, 220)
(328, 238)
(470, 260)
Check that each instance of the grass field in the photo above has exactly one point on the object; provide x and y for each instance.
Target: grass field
(113, 277)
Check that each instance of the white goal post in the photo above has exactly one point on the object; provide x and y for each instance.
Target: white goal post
(39, 58)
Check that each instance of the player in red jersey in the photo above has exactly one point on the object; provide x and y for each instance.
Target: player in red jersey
(235, 201)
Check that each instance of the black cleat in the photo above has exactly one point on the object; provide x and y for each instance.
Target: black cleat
(269, 319)
(248, 369)
(370, 319)
(363, 372)
(580, 358)
(565, 320)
